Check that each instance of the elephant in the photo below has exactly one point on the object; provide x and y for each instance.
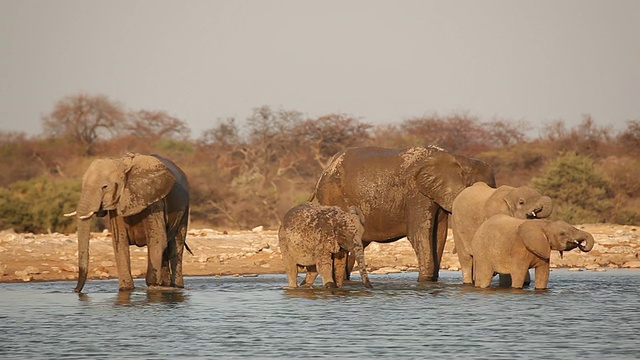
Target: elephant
(310, 235)
(146, 198)
(479, 202)
(401, 192)
(507, 245)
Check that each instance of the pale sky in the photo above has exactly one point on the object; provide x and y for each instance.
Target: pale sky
(380, 61)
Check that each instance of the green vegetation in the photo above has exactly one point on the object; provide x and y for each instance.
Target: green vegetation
(250, 175)
(38, 205)
(580, 194)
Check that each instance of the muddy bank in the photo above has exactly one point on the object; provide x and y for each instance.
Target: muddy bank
(29, 257)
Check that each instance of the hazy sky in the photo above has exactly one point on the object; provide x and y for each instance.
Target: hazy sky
(381, 61)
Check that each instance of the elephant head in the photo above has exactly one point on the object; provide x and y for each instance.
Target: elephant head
(122, 187)
(520, 202)
(542, 236)
(442, 176)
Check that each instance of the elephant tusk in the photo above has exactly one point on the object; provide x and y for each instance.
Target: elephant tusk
(71, 214)
(85, 217)
(533, 213)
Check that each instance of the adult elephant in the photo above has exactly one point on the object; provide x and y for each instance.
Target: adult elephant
(147, 200)
(401, 192)
(479, 202)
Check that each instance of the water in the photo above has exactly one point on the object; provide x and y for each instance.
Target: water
(583, 315)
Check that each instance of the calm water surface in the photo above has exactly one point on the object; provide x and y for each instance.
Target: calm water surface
(583, 315)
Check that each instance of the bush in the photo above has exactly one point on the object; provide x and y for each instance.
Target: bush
(579, 193)
(38, 205)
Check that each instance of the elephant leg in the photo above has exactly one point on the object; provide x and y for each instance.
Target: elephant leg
(442, 223)
(505, 280)
(156, 244)
(310, 277)
(542, 276)
(466, 262)
(424, 237)
(166, 274)
(518, 275)
(325, 268)
(290, 267)
(177, 243)
(482, 273)
(120, 240)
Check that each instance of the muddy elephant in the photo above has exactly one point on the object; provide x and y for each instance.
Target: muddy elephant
(479, 202)
(401, 192)
(506, 245)
(146, 198)
(311, 235)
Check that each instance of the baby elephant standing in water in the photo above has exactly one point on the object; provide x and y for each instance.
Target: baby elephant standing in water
(311, 234)
(506, 245)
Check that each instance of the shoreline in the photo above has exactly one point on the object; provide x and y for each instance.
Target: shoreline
(53, 257)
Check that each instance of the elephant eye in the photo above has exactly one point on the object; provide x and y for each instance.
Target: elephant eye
(521, 202)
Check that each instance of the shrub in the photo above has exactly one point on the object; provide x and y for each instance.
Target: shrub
(579, 193)
(38, 205)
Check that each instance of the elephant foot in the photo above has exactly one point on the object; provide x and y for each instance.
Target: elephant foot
(368, 284)
(330, 285)
(427, 278)
(161, 288)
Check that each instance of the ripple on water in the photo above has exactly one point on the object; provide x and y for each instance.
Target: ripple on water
(582, 315)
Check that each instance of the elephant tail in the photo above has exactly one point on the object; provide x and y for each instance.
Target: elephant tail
(186, 246)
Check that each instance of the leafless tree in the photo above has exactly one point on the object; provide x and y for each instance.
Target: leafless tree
(85, 119)
(153, 125)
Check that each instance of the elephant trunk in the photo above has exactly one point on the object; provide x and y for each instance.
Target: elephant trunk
(587, 244)
(83, 252)
(546, 208)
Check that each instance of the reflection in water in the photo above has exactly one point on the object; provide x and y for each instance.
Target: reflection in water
(236, 317)
(133, 297)
(322, 293)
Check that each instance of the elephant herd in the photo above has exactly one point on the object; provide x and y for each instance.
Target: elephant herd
(364, 195)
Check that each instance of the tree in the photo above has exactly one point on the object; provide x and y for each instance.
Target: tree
(154, 125)
(586, 138)
(329, 134)
(85, 119)
(580, 194)
(456, 133)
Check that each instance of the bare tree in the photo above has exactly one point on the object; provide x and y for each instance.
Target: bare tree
(329, 134)
(153, 125)
(85, 119)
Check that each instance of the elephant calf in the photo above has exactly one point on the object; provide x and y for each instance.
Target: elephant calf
(479, 202)
(506, 245)
(310, 236)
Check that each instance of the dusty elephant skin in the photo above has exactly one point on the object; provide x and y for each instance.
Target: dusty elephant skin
(506, 245)
(147, 201)
(401, 192)
(312, 235)
(479, 202)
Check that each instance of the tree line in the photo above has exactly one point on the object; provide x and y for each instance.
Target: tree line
(247, 175)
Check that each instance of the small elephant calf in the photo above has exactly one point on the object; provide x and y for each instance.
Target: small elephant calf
(311, 234)
(506, 245)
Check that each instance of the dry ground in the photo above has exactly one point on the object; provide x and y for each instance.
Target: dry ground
(29, 257)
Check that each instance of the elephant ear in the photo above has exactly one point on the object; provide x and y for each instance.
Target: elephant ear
(441, 178)
(532, 234)
(147, 180)
(498, 202)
